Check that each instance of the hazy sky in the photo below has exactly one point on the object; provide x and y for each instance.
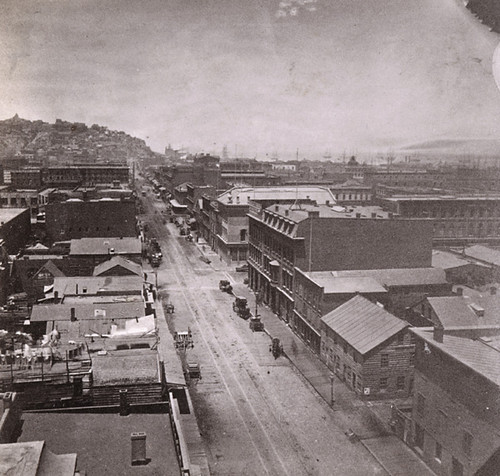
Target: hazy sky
(257, 75)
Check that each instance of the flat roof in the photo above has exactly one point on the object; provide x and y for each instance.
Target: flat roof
(483, 253)
(87, 311)
(447, 260)
(8, 214)
(105, 246)
(390, 277)
(102, 440)
(242, 195)
(300, 212)
(363, 324)
(93, 285)
(480, 354)
(125, 367)
(347, 285)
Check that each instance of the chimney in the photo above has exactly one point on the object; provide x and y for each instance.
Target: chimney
(237, 199)
(287, 212)
(276, 208)
(391, 215)
(374, 215)
(56, 296)
(438, 334)
(138, 441)
(358, 215)
(327, 203)
(124, 407)
(493, 290)
(73, 314)
(459, 291)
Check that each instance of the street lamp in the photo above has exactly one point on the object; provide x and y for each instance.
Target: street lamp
(332, 376)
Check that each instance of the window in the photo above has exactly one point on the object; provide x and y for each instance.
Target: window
(419, 436)
(400, 382)
(420, 404)
(412, 359)
(401, 338)
(383, 383)
(467, 443)
(384, 360)
(243, 235)
(438, 451)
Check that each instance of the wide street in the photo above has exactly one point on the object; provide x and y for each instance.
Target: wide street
(257, 415)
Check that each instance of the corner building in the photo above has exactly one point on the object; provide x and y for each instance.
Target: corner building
(323, 238)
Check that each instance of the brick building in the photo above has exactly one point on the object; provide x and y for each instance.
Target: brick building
(231, 208)
(456, 409)
(457, 220)
(322, 239)
(15, 228)
(318, 292)
(74, 218)
(369, 349)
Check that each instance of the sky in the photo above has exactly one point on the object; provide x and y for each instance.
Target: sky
(260, 76)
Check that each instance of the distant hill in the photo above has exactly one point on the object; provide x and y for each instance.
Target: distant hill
(475, 147)
(38, 141)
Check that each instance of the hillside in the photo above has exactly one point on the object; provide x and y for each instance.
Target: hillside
(41, 142)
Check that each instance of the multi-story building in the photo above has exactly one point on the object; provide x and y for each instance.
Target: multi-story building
(18, 198)
(231, 209)
(74, 218)
(457, 220)
(456, 410)
(85, 175)
(324, 238)
(369, 349)
(318, 292)
(15, 228)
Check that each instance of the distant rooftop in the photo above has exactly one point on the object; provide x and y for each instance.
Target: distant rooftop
(363, 324)
(117, 262)
(429, 198)
(389, 277)
(95, 285)
(447, 260)
(242, 195)
(104, 246)
(8, 214)
(343, 285)
(484, 254)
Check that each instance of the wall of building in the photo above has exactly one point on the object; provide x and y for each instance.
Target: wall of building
(364, 243)
(444, 419)
(362, 372)
(106, 218)
(16, 232)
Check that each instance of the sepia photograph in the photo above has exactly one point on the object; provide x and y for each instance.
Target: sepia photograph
(250, 238)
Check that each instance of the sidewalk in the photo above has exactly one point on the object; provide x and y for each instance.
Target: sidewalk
(350, 412)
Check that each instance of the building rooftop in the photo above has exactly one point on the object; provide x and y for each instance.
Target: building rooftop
(125, 367)
(300, 212)
(8, 214)
(484, 254)
(87, 311)
(363, 324)
(97, 285)
(102, 440)
(105, 246)
(342, 285)
(480, 354)
(447, 260)
(433, 198)
(118, 261)
(389, 277)
(467, 311)
(242, 195)
(32, 458)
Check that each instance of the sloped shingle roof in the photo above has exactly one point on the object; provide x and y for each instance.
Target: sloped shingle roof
(362, 324)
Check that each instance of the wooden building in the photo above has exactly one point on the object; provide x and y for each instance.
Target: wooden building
(369, 349)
